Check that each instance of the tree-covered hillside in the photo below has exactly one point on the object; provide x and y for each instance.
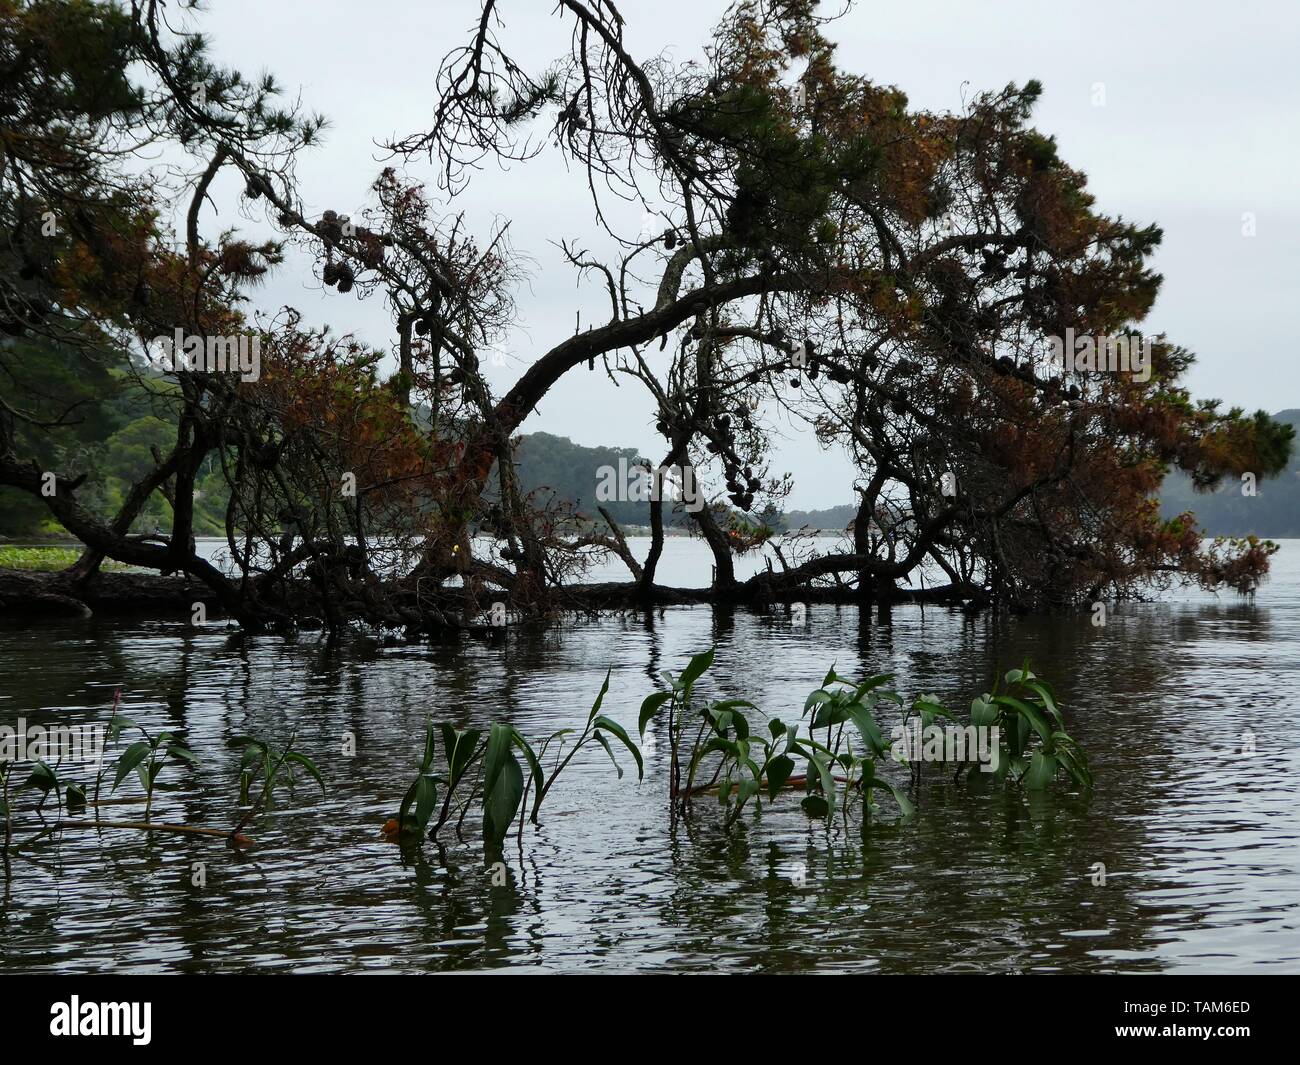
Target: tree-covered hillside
(1273, 511)
(110, 432)
(554, 467)
(115, 434)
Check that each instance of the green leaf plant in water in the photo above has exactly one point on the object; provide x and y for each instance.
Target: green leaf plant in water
(146, 757)
(743, 764)
(834, 752)
(275, 766)
(1036, 747)
(489, 771)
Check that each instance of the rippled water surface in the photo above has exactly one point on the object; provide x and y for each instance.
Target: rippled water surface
(1200, 842)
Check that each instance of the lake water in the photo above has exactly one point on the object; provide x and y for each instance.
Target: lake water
(685, 560)
(1200, 842)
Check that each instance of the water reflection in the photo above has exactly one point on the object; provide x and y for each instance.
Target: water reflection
(1200, 843)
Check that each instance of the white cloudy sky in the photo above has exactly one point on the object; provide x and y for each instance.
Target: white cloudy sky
(1201, 123)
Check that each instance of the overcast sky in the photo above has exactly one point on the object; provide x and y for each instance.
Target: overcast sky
(1200, 124)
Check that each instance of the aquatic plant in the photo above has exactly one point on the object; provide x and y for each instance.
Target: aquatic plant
(43, 778)
(750, 763)
(1037, 746)
(677, 697)
(147, 756)
(1034, 747)
(834, 753)
(495, 774)
(275, 766)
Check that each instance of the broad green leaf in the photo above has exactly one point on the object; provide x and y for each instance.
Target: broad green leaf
(595, 707)
(650, 707)
(604, 742)
(1042, 768)
(426, 797)
(43, 778)
(426, 760)
(825, 776)
(698, 664)
(821, 695)
(982, 713)
(130, 758)
(405, 821)
(731, 704)
(791, 738)
(830, 714)
(737, 720)
(307, 764)
(459, 747)
(930, 705)
(724, 789)
(869, 729)
(1045, 694)
(498, 750)
(1075, 764)
(501, 803)
(870, 683)
(778, 772)
(1030, 714)
(617, 730)
(807, 746)
(722, 745)
(740, 724)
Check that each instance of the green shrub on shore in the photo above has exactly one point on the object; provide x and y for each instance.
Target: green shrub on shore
(45, 559)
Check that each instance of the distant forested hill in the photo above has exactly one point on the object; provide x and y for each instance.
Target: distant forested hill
(571, 472)
(110, 437)
(829, 519)
(114, 437)
(1274, 511)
